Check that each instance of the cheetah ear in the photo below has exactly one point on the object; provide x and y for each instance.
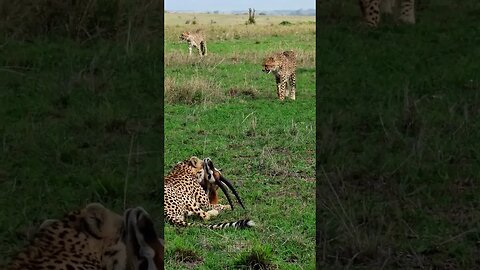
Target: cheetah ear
(194, 161)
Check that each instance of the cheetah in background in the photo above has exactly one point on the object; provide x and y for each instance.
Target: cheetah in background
(196, 40)
(371, 10)
(283, 65)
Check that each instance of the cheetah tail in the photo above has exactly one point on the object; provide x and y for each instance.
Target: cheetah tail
(240, 224)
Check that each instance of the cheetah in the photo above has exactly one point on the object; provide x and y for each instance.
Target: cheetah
(144, 248)
(89, 238)
(196, 40)
(371, 10)
(284, 68)
(184, 195)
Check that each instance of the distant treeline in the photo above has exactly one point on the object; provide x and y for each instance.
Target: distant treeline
(81, 19)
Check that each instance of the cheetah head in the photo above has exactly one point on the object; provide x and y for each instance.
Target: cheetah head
(184, 35)
(270, 64)
(98, 222)
(189, 167)
(213, 179)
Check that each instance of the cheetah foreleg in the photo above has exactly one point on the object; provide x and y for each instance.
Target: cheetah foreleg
(195, 208)
(293, 85)
(221, 207)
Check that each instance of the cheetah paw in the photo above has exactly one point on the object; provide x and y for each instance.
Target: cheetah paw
(211, 213)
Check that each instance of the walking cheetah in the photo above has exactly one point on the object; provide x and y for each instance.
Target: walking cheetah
(196, 40)
(86, 239)
(185, 196)
(283, 66)
(371, 10)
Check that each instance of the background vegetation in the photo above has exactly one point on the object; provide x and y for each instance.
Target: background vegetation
(398, 142)
(80, 111)
(224, 107)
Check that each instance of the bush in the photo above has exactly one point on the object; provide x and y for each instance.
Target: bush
(286, 23)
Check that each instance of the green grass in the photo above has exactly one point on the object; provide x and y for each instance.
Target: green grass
(265, 147)
(78, 124)
(399, 134)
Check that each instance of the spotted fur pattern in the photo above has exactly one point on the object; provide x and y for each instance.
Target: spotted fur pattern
(371, 10)
(196, 40)
(88, 239)
(184, 196)
(283, 65)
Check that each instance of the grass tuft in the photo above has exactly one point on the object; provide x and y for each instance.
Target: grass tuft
(256, 259)
(247, 92)
(285, 23)
(192, 91)
(187, 257)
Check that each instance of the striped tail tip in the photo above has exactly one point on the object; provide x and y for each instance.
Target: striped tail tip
(245, 223)
(240, 224)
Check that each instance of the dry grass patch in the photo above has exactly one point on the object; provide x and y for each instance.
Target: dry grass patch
(231, 32)
(192, 91)
(177, 58)
(181, 57)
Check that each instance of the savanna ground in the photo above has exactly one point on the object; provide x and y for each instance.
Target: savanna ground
(399, 139)
(80, 117)
(224, 107)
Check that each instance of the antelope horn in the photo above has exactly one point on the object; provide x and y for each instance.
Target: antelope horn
(225, 181)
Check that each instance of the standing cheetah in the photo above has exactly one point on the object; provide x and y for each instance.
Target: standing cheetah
(196, 40)
(283, 66)
(371, 10)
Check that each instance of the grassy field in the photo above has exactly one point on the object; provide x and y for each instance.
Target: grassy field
(399, 139)
(79, 123)
(224, 107)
